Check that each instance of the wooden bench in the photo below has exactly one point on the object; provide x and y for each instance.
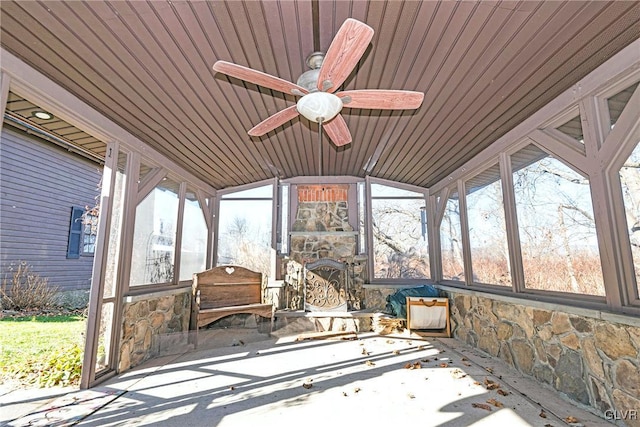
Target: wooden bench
(223, 291)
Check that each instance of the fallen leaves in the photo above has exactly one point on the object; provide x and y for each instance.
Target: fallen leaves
(481, 406)
(542, 414)
(502, 392)
(370, 363)
(457, 373)
(414, 365)
(571, 420)
(495, 403)
(491, 385)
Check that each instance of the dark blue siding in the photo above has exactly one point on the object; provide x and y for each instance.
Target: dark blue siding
(39, 184)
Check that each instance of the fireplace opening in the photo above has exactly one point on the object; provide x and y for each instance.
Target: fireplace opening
(326, 285)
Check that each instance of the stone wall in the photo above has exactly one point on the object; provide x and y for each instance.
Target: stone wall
(377, 297)
(153, 325)
(592, 361)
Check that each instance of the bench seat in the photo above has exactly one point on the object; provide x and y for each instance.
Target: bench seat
(223, 291)
(210, 315)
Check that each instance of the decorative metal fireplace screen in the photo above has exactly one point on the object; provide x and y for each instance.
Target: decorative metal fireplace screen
(325, 285)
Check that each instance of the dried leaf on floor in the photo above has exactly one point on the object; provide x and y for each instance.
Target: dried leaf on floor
(232, 388)
(495, 403)
(414, 365)
(491, 385)
(571, 420)
(502, 392)
(357, 389)
(390, 342)
(344, 393)
(444, 365)
(411, 396)
(307, 385)
(396, 352)
(481, 406)
(542, 414)
(490, 370)
(370, 363)
(420, 347)
(457, 373)
(365, 352)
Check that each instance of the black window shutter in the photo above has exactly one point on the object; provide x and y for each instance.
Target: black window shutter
(75, 232)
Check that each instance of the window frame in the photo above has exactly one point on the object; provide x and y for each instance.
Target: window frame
(74, 241)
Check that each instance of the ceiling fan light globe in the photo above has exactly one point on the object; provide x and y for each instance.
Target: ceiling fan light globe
(319, 106)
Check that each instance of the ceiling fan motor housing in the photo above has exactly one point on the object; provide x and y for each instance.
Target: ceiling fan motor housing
(309, 79)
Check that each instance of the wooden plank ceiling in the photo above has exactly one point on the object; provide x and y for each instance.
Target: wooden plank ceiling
(484, 67)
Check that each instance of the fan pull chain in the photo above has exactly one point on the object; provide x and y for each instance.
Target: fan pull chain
(320, 146)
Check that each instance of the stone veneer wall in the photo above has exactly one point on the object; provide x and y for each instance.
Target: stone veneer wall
(592, 361)
(376, 296)
(154, 324)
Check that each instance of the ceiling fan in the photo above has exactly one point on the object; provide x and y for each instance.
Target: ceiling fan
(316, 87)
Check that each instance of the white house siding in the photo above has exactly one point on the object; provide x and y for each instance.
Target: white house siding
(39, 184)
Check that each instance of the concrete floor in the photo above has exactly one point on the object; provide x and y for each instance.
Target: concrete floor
(253, 379)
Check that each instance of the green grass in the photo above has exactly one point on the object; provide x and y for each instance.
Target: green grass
(42, 350)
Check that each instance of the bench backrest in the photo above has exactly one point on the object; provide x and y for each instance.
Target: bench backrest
(227, 286)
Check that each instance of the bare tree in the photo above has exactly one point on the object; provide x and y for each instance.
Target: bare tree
(557, 229)
(630, 180)
(399, 249)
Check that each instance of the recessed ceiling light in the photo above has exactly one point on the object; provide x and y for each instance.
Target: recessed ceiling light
(42, 115)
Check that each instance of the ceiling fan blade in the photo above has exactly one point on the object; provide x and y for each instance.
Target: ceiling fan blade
(381, 99)
(345, 51)
(337, 131)
(257, 77)
(272, 122)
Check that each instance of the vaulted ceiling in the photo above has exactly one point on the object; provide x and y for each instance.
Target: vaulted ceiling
(483, 66)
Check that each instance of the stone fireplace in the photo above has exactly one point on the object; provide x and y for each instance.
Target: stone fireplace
(323, 229)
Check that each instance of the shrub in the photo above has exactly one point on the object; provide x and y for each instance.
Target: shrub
(61, 367)
(28, 290)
